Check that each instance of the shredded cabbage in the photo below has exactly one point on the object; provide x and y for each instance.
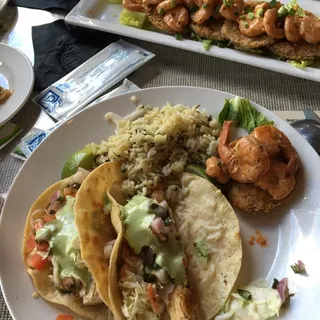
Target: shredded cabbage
(264, 304)
(135, 304)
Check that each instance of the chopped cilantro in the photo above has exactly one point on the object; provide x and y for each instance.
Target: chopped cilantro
(251, 15)
(201, 249)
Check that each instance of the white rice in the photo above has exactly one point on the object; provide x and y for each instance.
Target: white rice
(159, 144)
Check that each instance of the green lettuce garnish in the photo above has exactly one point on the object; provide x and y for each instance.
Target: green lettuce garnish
(132, 19)
(243, 114)
(207, 44)
(248, 50)
(300, 64)
(115, 1)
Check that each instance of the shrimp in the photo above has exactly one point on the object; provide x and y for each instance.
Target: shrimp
(291, 30)
(202, 14)
(232, 9)
(177, 18)
(275, 141)
(254, 27)
(189, 3)
(269, 23)
(133, 5)
(276, 182)
(247, 160)
(151, 2)
(216, 169)
(167, 5)
(310, 30)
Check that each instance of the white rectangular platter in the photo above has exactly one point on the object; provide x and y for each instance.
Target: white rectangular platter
(104, 16)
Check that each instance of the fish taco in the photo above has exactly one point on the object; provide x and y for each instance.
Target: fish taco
(52, 253)
(176, 252)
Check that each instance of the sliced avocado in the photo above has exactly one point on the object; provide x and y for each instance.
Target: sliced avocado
(82, 158)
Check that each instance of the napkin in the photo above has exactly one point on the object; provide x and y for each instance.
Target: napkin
(66, 5)
(59, 49)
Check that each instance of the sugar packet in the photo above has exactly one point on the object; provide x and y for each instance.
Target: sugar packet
(74, 91)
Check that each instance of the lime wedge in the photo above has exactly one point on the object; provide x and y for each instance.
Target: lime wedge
(82, 158)
(200, 171)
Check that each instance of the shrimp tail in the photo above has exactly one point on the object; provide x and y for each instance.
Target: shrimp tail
(225, 132)
(292, 166)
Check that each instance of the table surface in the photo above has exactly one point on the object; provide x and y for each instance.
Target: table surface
(284, 94)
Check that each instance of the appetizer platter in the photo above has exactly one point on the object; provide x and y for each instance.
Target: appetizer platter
(279, 36)
(165, 203)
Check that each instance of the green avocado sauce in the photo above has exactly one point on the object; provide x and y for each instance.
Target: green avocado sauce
(137, 215)
(61, 234)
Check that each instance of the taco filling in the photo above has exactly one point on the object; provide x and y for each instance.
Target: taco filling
(53, 244)
(152, 275)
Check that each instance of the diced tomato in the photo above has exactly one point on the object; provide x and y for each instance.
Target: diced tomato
(153, 298)
(43, 246)
(69, 191)
(39, 225)
(30, 242)
(35, 261)
(64, 317)
(49, 217)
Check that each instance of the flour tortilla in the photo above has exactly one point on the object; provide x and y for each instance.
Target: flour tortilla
(94, 225)
(204, 214)
(41, 278)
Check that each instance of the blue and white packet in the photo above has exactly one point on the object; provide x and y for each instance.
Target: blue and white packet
(29, 143)
(45, 125)
(73, 92)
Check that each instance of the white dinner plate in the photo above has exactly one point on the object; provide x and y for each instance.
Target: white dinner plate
(292, 229)
(104, 16)
(16, 74)
(3, 4)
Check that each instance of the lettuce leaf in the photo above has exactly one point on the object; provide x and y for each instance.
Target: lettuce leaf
(243, 114)
(300, 64)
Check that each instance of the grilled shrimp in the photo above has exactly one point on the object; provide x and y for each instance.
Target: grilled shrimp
(133, 5)
(232, 9)
(167, 5)
(254, 27)
(276, 142)
(216, 169)
(291, 30)
(151, 2)
(204, 12)
(177, 18)
(276, 182)
(310, 30)
(269, 23)
(246, 160)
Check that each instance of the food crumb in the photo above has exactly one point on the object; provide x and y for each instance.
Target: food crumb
(4, 95)
(259, 239)
(35, 295)
(252, 240)
(134, 99)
